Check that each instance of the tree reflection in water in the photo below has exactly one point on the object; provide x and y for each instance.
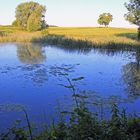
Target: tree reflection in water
(33, 56)
(131, 76)
(31, 53)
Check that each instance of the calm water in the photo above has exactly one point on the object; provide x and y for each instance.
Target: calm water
(30, 75)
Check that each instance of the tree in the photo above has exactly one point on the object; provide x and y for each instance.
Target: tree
(105, 19)
(15, 23)
(133, 15)
(131, 76)
(34, 23)
(30, 11)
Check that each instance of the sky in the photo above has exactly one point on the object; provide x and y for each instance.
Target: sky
(78, 13)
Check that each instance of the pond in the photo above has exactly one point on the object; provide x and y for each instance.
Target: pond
(35, 76)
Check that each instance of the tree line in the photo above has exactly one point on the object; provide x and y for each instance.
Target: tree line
(31, 16)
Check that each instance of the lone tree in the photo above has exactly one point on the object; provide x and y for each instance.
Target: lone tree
(133, 15)
(105, 19)
(30, 16)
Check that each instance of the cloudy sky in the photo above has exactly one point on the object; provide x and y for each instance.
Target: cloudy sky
(71, 12)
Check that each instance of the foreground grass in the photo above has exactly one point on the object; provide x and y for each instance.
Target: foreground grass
(82, 125)
(99, 36)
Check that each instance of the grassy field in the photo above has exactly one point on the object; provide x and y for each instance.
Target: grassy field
(98, 35)
(95, 35)
(13, 34)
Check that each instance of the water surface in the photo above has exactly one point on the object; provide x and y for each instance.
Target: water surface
(31, 75)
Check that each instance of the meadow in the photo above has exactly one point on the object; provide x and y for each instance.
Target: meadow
(98, 35)
(95, 35)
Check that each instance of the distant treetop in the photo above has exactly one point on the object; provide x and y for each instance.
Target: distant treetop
(105, 19)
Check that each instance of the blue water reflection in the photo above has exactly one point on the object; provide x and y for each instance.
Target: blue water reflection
(31, 75)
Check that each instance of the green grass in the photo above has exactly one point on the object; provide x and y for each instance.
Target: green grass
(13, 34)
(82, 125)
(98, 36)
